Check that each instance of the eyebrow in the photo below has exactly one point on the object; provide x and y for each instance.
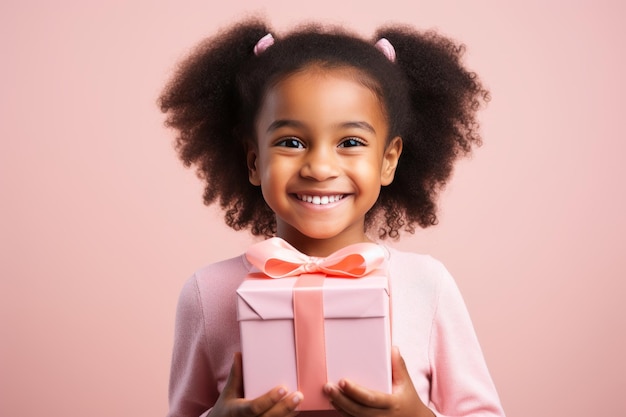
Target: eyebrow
(277, 124)
(359, 125)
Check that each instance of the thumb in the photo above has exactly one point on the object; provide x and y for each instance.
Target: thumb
(234, 383)
(399, 373)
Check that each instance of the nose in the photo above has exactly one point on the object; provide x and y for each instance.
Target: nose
(320, 164)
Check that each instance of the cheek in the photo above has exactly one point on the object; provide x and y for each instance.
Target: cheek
(279, 168)
(368, 168)
(270, 172)
(274, 179)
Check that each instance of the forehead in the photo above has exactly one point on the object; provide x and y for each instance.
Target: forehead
(324, 93)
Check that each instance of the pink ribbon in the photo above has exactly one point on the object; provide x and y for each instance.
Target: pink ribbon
(278, 259)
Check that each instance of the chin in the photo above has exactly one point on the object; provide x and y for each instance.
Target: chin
(320, 236)
(318, 232)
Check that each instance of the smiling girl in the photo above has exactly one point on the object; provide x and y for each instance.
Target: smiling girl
(320, 157)
(325, 140)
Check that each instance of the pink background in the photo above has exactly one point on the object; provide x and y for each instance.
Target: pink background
(100, 224)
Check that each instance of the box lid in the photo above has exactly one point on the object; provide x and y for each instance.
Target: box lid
(271, 299)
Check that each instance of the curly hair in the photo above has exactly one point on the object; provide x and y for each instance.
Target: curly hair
(430, 100)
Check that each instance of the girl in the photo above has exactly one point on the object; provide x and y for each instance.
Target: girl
(323, 139)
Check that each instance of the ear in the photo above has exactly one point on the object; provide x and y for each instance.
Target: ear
(252, 156)
(390, 160)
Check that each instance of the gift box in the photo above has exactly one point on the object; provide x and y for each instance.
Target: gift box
(354, 341)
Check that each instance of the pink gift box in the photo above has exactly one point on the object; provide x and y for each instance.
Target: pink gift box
(356, 329)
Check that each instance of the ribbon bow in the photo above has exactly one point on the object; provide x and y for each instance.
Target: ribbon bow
(278, 259)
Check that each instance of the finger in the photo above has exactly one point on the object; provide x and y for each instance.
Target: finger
(364, 396)
(363, 405)
(343, 413)
(339, 401)
(403, 384)
(401, 380)
(274, 400)
(286, 407)
(234, 383)
(399, 372)
(344, 405)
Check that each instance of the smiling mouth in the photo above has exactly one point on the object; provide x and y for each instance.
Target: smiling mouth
(320, 199)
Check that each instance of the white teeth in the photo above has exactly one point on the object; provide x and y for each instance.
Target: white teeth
(320, 200)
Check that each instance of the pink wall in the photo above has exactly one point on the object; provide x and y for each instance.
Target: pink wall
(100, 224)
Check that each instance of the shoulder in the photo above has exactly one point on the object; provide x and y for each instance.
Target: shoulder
(419, 278)
(416, 267)
(219, 272)
(210, 283)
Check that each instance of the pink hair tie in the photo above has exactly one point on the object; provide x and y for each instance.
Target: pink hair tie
(384, 46)
(263, 43)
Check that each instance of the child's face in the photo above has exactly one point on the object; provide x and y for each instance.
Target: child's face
(321, 157)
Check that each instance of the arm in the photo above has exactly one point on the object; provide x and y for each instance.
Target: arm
(193, 384)
(452, 377)
(460, 381)
(192, 389)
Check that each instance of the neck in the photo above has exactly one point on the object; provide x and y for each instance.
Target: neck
(321, 247)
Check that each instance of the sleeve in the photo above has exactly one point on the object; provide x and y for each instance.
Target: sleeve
(461, 384)
(192, 388)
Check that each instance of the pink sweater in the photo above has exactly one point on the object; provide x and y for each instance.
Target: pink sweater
(431, 327)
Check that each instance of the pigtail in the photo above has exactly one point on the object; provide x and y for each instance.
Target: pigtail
(441, 127)
(202, 103)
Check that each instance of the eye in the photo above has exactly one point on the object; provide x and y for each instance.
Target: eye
(350, 142)
(290, 143)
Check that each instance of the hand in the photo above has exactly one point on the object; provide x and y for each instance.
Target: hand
(351, 399)
(275, 403)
